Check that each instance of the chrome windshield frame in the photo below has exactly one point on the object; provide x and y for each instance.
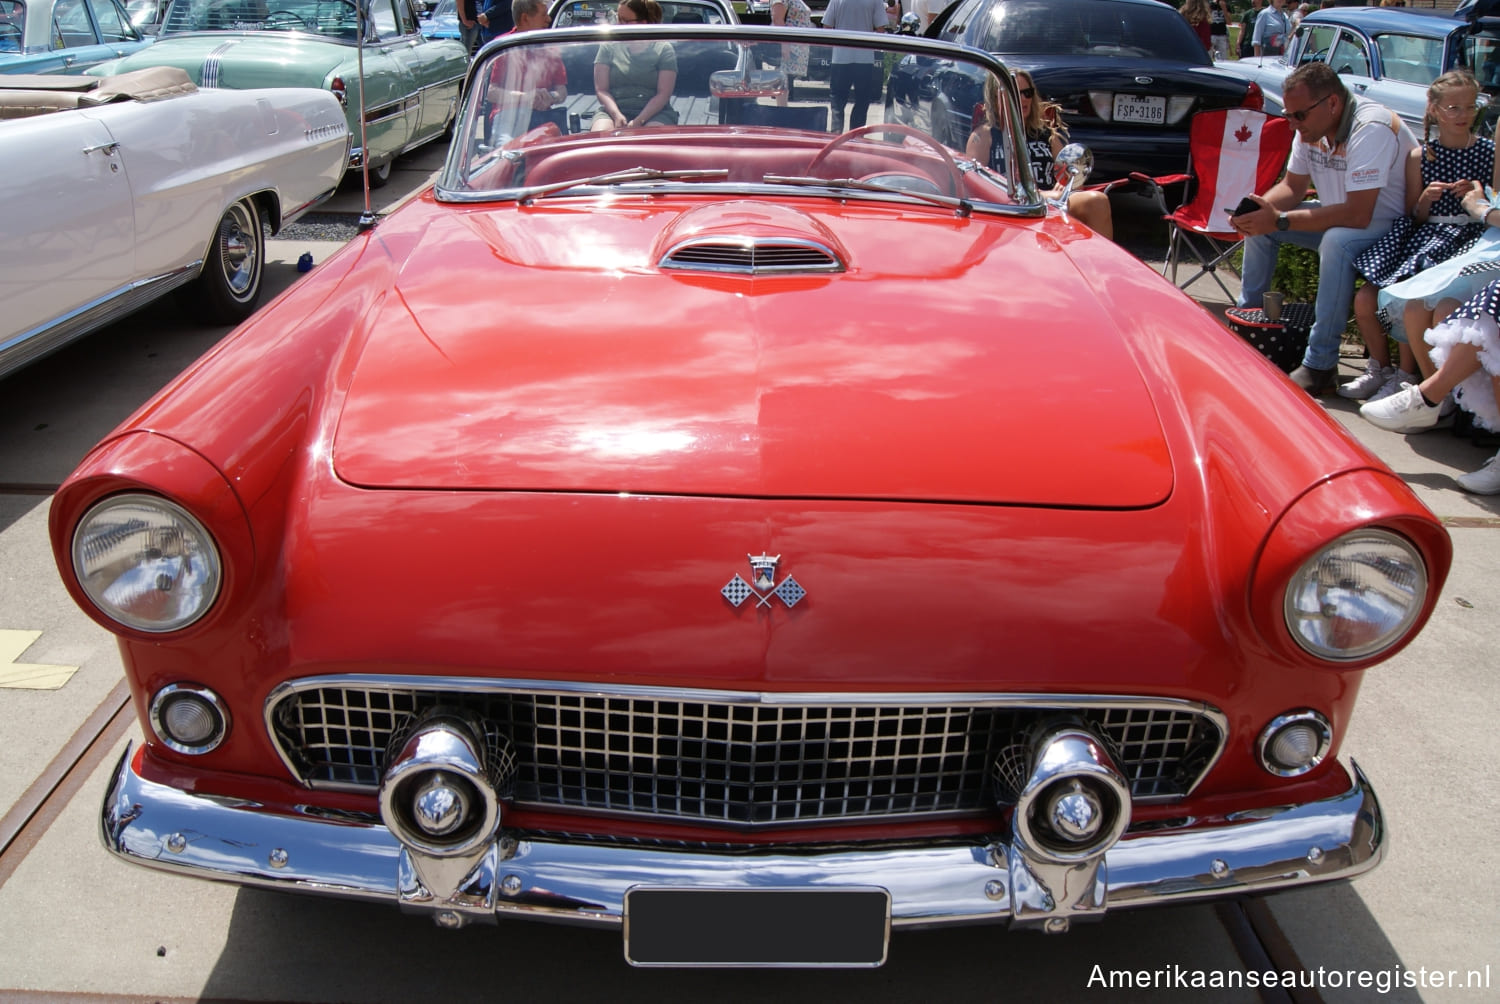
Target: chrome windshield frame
(1021, 186)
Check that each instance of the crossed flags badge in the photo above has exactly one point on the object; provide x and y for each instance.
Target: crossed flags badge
(763, 585)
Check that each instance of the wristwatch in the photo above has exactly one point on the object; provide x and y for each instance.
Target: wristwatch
(1283, 221)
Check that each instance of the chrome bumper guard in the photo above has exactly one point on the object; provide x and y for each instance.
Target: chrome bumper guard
(545, 878)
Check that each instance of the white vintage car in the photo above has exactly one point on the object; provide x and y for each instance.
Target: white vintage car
(120, 189)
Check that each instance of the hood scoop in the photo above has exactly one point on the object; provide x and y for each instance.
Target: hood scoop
(747, 238)
(752, 256)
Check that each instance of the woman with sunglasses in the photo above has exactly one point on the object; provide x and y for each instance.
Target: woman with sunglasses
(633, 80)
(1045, 136)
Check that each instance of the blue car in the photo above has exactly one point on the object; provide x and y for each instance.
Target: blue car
(64, 36)
(1386, 53)
(442, 22)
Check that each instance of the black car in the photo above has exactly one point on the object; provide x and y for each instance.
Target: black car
(1128, 74)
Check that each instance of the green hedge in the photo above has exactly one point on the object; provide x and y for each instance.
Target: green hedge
(1296, 272)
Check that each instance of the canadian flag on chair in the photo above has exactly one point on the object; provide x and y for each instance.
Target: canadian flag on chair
(1233, 156)
(1232, 153)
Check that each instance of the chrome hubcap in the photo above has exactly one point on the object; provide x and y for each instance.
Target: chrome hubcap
(239, 249)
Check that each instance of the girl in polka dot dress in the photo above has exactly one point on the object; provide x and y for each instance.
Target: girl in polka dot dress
(1465, 346)
(1439, 173)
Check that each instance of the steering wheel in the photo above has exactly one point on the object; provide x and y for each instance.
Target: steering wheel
(289, 15)
(955, 176)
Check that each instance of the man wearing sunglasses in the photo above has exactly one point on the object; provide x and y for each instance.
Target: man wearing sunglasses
(1352, 153)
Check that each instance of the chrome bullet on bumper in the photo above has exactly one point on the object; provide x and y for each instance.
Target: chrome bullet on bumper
(296, 849)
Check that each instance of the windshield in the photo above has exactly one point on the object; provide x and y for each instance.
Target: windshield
(336, 19)
(12, 25)
(1091, 28)
(1481, 53)
(549, 114)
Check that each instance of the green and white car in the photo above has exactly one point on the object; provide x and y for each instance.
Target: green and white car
(411, 83)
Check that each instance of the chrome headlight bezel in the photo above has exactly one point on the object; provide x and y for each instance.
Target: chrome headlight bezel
(1383, 560)
(100, 570)
(202, 697)
(1320, 727)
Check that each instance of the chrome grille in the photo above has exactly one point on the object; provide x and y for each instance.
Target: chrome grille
(739, 759)
(752, 256)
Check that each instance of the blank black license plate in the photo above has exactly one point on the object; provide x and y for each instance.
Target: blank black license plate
(757, 927)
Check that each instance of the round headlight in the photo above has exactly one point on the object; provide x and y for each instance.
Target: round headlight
(1357, 596)
(146, 563)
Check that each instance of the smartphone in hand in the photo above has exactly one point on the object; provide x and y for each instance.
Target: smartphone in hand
(1247, 205)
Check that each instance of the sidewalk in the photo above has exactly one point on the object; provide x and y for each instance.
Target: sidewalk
(1427, 462)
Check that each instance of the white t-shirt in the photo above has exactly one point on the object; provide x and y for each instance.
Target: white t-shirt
(1374, 156)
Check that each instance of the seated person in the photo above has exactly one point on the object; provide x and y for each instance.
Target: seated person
(1439, 173)
(1045, 136)
(1465, 347)
(1353, 152)
(526, 85)
(634, 80)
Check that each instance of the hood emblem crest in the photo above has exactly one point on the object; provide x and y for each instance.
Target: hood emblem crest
(763, 585)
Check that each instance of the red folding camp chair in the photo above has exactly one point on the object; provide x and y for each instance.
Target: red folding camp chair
(1232, 153)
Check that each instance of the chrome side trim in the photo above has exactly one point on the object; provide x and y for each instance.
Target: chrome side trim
(291, 848)
(391, 110)
(213, 63)
(29, 346)
(289, 216)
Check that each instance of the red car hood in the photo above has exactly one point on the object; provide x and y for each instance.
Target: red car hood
(542, 349)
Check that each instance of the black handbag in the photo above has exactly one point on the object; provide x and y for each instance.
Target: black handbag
(1283, 342)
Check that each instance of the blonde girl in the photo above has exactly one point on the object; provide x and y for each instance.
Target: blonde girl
(1450, 162)
(1045, 135)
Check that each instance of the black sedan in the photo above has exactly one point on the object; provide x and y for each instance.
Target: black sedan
(1128, 74)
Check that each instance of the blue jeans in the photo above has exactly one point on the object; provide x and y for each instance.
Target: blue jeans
(1337, 248)
(470, 36)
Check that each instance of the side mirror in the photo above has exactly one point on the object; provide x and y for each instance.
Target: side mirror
(1078, 162)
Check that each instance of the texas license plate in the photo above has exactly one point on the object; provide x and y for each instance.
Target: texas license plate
(1140, 108)
(846, 927)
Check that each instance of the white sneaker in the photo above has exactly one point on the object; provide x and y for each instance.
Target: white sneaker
(1371, 380)
(1403, 411)
(1399, 378)
(1485, 481)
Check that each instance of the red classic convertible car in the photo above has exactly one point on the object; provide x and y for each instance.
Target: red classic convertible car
(752, 536)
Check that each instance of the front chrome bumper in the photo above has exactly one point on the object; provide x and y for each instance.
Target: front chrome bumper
(547, 878)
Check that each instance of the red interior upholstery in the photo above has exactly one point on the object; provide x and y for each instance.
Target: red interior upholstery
(746, 165)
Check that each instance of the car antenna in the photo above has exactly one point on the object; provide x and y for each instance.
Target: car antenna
(366, 218)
